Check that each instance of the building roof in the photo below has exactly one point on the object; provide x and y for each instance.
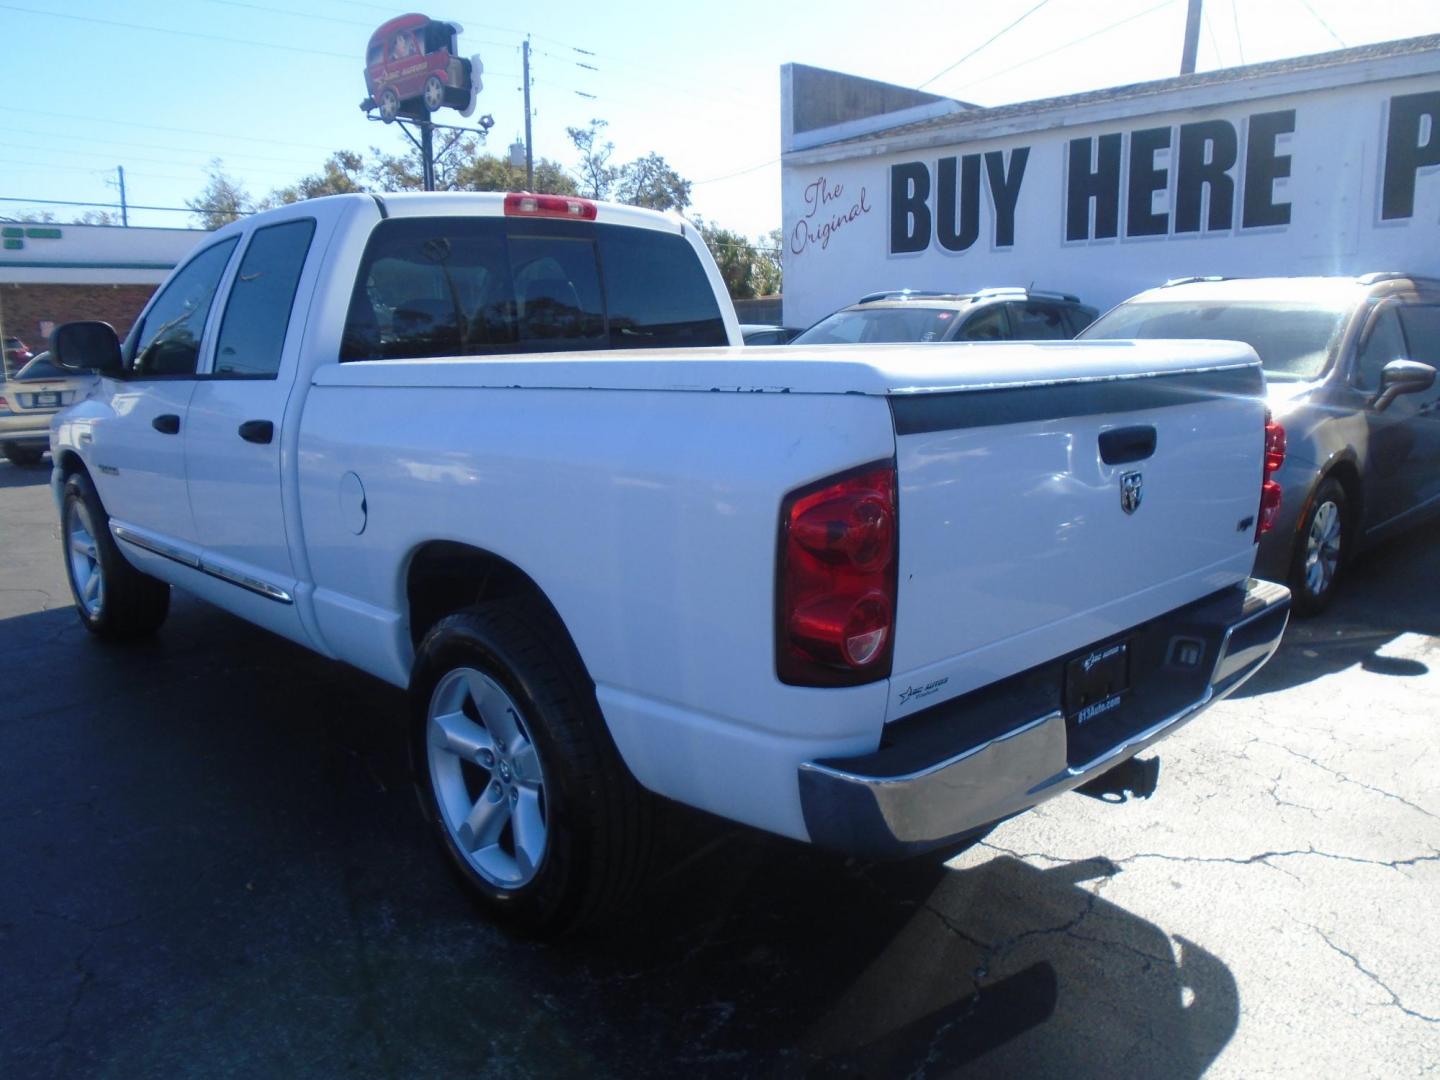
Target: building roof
(979, 115)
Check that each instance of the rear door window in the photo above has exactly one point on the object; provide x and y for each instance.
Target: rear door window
(438, 287)
(257, 315)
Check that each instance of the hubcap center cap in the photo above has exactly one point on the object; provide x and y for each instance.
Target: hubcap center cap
(505, 773)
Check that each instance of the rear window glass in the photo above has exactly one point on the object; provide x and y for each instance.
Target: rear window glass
(42, 368)
(438, 287)
(880, 325)
(1293, 340)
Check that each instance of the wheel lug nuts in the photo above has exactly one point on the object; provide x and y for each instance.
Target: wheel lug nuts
(487, 758)
(514, 795)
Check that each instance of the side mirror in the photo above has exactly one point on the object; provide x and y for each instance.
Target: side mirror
(90, 346)
(1403, 377)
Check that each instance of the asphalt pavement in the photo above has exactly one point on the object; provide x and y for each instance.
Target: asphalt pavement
(213, 865)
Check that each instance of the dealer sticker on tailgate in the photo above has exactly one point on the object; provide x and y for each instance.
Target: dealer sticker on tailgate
(1095, 682)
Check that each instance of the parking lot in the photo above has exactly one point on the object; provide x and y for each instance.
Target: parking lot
(213, 865)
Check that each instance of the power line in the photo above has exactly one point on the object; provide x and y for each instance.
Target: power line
(983, 45)
(132, 206)
(731, 176)
(88, 139)
(270, 46)
(1338, 39)
(1235, 18)
(47, 165)
(1071, 44)
(161, 127)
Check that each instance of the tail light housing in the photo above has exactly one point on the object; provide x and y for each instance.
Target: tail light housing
(835, 588)
(1269, 489)
(555, 206)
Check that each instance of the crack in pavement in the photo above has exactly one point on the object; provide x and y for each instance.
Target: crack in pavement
(1348, 780)
(86, 978)
(1394, 997)
(1263, 858)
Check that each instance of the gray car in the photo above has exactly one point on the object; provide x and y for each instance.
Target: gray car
(28, 399)
(1003, 314)
(1350, 363)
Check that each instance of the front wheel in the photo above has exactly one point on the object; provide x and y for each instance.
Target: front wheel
(112, 598)
(389, 105)
(517, 772)
(1320, 550)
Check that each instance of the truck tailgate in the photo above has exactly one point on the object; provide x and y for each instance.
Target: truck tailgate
(1039, 518)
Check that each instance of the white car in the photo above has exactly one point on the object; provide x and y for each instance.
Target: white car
(29, 399)
(508, 452)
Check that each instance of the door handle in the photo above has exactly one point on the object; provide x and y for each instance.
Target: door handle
(257, 431)
(1120, 446)
(166, 424)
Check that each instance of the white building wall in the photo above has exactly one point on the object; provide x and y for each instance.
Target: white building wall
(841, 242)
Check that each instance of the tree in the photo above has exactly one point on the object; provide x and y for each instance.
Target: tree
(650, 181)
(597, 175)
(342, 173)
(486, 172)
(734, 255)
(98, 217)
(769, 271)
(222, 200)
(460, 166)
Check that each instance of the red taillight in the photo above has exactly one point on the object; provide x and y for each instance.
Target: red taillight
(4, 404)
(835, 621)
(561, 206)
(1269, 489)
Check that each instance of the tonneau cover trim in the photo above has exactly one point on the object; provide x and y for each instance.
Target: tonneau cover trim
(919, 413)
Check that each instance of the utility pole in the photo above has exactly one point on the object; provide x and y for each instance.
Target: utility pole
(124, 211)
(1192, 38)
(427, 152)
(529, 152)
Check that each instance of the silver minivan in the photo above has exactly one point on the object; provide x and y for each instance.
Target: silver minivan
(1350, 363)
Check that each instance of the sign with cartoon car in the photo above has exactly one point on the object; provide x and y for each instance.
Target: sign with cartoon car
(412, 67)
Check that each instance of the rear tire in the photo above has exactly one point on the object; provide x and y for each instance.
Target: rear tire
(1321, 547)
(517, 772)
(22, 455)
(113, 599)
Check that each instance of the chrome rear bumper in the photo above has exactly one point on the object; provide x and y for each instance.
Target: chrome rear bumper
(955, 769)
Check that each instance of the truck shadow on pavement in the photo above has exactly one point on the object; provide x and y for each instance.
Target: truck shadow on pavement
(16, 476)
(214, 863)
(1390, 590)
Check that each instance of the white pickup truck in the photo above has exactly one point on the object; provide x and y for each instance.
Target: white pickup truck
(499, 450)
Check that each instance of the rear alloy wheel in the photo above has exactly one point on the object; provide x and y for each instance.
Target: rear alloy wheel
(1320, 550)
(488, 783)
(517, 771)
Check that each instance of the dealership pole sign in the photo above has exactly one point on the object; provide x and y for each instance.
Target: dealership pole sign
(1224, 180)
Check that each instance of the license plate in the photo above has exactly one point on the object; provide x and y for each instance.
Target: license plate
(47, 401)
(1096, 681)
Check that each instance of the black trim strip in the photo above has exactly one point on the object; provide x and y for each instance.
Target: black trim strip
(384, 210)
(916, 414)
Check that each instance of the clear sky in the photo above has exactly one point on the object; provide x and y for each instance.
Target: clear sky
(271, 87)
